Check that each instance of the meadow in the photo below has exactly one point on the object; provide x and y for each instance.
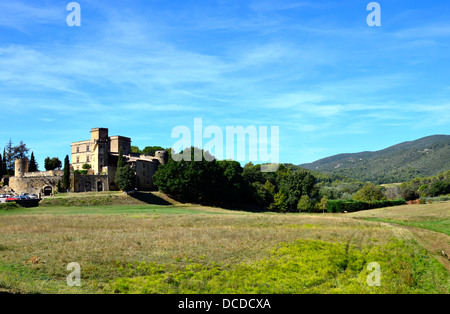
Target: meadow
(154, 245)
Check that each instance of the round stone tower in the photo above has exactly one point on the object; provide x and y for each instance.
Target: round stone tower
(163, 156)
(20, 167)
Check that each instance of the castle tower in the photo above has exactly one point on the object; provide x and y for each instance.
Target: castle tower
(100, 149)
(99, 134)
(162, 156)
(20, 167)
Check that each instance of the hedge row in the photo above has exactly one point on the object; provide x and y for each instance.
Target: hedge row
(8, 206)
(339, 206)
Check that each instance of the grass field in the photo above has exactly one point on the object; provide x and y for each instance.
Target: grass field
(426, 216)
(128, 245)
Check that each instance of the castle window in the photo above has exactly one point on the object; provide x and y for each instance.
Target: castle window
(78, 159)
(87, 148)
(78, 149)
(87, 158)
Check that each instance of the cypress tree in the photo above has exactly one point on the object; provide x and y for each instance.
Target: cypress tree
(125, 177)
(1, 167)
(66, 175)
(120, 161)
(32, 165)
(9, 158)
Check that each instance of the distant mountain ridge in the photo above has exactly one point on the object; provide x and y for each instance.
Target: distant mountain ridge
(427, 156)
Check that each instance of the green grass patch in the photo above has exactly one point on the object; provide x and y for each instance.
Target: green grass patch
(305, 266)
(29, 279)
(8, 206)
(438, 225)
(102, 199)
(106, 210)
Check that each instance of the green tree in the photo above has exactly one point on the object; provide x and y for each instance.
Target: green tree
(369, 192)
(409, 193)
(295, 184)
(1, 167)
(151, 150)
(120, 161)
(125, 178)
(262, 195)
(52, 163)
(204, 182)
(279, 202)
(66, 175)
(440, 188)
(20, 151)
(59, 187)
(32, 165)
(86, 166)
(230, 180)
(135, 150)
(8, 158)
(252, 173)
(324, 204)
(304, 204)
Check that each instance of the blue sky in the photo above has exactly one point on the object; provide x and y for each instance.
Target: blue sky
(140, 68)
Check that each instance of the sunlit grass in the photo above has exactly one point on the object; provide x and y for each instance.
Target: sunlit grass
(119, 247)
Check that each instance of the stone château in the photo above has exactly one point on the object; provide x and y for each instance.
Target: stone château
(101, 153)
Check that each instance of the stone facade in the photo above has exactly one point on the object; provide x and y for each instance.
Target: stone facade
(89, 183)
(101, 152)
(39, 185)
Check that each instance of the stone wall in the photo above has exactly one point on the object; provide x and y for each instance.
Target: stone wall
(88, 183)
(50, 173)
(144, 174)
(34, 185)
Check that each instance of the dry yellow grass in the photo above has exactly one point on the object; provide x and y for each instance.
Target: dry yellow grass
(101, 242)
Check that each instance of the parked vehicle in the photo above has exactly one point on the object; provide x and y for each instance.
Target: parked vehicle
(12, 199)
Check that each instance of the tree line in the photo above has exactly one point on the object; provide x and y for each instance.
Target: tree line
(227, 183)
(289, 189)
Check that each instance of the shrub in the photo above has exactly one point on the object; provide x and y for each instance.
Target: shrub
(81, 172)
(440, 188)
(369, 192)
(338, 206)
(279, 203)
(410, 194)
(125, 178)
(8, 206)
(304, 204)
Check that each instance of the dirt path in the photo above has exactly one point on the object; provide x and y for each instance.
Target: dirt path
(432, 241)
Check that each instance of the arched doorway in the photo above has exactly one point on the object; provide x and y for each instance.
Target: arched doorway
(48, 190)
(99, 186)
(87, 186)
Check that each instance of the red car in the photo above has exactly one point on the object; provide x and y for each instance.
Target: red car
(12, 199)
